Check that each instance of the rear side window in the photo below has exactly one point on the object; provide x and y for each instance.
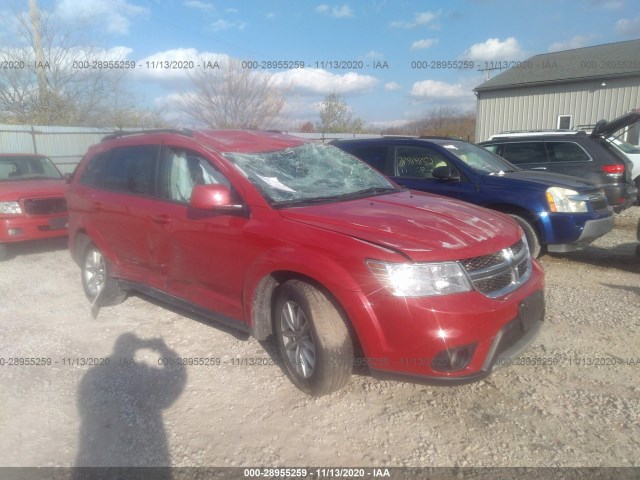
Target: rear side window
(95, 170)
(132, 169)
(566, 152)
(375, 156)
(525, 152)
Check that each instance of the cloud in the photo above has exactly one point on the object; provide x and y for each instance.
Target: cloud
(392, 86)
(115, 15)
(311, 81)
(374, 55)
(181, 55)
(628, 27)
(424, 43)
(421, 19)
(198, 5)
(339, 12)
(494, 49)
(578, 41)
(428, 89)
(223, 25)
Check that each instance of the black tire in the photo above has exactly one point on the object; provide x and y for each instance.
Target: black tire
(96, 278)
(323, 358)
(533, 239)
(4, 252)
(637, 182)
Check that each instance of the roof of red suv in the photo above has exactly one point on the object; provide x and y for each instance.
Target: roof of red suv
(242, 141)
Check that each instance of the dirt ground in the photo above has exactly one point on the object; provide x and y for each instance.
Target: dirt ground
(92, 392)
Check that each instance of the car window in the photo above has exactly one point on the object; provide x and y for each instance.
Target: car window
(417, 162)
(525, 152)
(132, 169)
(566, 152)
(95, 170)
(376, 156)
(184, 170)
(492, 148)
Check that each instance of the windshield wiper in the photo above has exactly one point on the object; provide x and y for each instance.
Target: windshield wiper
(367, 192)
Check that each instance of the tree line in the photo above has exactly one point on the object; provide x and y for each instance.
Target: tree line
(51, 90)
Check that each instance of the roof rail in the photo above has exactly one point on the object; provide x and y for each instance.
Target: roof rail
(439, 137)
(524, 133)
(123, 133)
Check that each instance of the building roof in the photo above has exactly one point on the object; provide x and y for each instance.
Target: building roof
(597, 62)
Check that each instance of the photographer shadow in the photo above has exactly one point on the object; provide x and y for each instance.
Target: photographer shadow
(121, 404)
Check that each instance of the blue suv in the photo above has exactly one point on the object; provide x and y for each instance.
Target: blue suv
(558, 213)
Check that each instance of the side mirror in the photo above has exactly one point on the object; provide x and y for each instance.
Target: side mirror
(213, 197)
(446, 173)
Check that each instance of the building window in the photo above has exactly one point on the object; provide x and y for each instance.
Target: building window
(564, 122)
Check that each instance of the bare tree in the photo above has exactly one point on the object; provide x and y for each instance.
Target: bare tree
(48, 83)
(336, 116)
(233, 97)
(442, 121)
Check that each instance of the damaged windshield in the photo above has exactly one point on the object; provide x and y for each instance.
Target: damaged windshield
(309, 173)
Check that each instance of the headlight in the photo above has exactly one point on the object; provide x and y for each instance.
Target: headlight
(420, 279)
(564, 200)
(12, 208)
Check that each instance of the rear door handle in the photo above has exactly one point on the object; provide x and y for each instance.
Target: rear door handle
(538, 168)
(97, 206)
(161, 219)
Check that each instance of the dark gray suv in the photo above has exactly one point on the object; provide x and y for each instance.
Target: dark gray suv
(586, 155)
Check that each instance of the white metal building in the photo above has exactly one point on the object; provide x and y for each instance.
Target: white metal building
(562, 90)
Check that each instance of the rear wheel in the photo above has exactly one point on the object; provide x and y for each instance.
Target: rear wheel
(4, 253)
(313, 339)
(533, 239)
(96, 279)
(637, 182)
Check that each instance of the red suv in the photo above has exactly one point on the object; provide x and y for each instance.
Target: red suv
(32, 204)
(276, 235)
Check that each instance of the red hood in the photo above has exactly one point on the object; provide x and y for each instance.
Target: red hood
(18, 189)
(424, 227)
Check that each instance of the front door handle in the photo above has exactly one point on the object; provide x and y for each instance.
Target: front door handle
(538, 168)
(164, 219)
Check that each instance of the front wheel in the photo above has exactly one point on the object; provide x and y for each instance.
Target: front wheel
(313, 338)
(533, 239)
(96, 279)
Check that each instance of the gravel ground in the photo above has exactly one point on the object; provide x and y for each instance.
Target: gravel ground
(581, 408)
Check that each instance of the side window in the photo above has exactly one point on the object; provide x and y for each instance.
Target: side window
(566, 152)
(417, 162)
(184, 170)
(491, 148)
(132, 169)
(525, 152)
(374, 156)
(95, 170)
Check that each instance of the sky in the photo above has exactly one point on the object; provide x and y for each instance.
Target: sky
(387, 59)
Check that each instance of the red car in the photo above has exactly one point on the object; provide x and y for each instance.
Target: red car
(32, 204)
(275, 235)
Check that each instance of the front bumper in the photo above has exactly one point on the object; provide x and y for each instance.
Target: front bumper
(406, 335)
(23, 227)
(592, 230)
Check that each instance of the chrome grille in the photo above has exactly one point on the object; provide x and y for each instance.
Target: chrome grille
(499, 273)
(45, 206)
